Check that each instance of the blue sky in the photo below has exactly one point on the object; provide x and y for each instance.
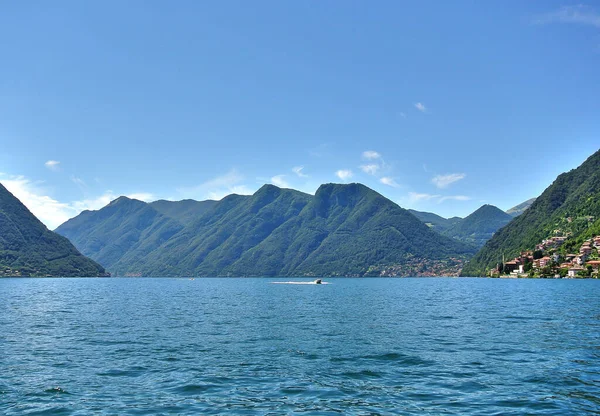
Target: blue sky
(440, 106)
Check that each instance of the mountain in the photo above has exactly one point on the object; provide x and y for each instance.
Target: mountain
(519, 209)
(343, 230)
(480, 226)
(568, 207)
(185, 211)
(434, 221)
(28, 248)
(475, 229)
(123, 227)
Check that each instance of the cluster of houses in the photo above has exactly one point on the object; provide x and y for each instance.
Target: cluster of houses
(576, 264)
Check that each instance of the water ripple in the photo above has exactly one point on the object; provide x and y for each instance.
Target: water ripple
(245, 346)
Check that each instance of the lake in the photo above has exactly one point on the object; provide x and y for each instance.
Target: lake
(247, 346)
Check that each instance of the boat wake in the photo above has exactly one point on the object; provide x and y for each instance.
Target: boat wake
(300, 283)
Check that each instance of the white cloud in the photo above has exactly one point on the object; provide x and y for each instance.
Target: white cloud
(53, 165)
(454, 198)
(386, 180)
(93, 204)
(142, 196)
(218, 187)
(421, 107)
(344, 174)
(298, 171)
(48, 210)
(53, 212)
(279, 180)
(370, 155)
(416, 197)
(222, 193)
(371, 169)
(443, 181)
(403, 115)
(376, 165)
(578, 14)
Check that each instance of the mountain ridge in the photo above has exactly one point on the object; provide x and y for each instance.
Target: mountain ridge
(344, 229)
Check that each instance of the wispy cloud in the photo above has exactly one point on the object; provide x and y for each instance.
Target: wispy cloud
(344, 174)
(415, 197)
(386, 180)
(376, 163)
(51, 211)
(454, 198)
(79, 182)
(320, 150)
(298, 171)
(371, 155)
(443, 181)
(279, 180)
(53, 165)
(421, 107)
(578, 14)
(219, 194)
(93, 204)
(401, 114)
(218, 187)
(47, 209)
(370, 169)
(142, 196)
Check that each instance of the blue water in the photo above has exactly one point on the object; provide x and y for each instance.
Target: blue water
(246, 346)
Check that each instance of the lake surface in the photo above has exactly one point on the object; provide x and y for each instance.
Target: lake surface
(247, 346)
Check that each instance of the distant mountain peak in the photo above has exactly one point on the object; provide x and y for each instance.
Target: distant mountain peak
(124, 201)
(488, 209)
(120, 200)
(266, 188)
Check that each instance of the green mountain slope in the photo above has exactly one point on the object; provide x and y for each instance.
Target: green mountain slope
(28, 248)
(185, 211)
(348, 230)
(519, 209)
(571, 205)
(342, 230)
(480, 226)
(213, 243)
(123, 227)
(434, 221)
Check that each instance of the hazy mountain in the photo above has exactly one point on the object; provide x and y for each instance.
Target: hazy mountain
(571, 205)
(435, 221)
(185, 211)
(28, 248)
(475, 229)
(341, 230)
(480, 226)
(519, 209)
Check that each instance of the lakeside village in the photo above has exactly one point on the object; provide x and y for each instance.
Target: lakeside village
(548, 261)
